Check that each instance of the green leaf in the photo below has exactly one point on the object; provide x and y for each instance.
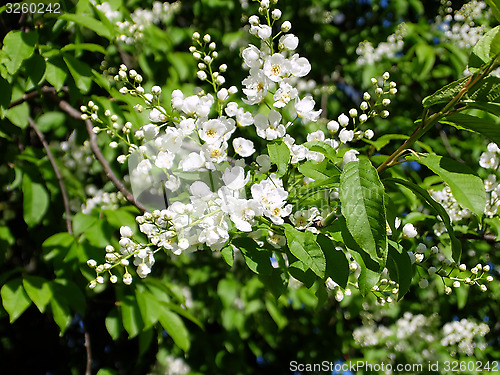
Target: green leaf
(70, 294)
(60, 312)
(84, 46)
(417, 190)
(319, 171)
(82, 222)
(14, 299)
(50, 120)
(425, 58)
(399, 266)
(495, 8)
(485, 126)
(467, 188)
(485, 49)
(35, 201)
(55, 72)
(38, 289)
(337, 266)
(280, 155)
(81, 73)
(35, 69)
(303, 245)
(149, 306)
(446, 93)
(323, 148)
(278, 317)
(88, 22)
(18, 46)
(362, 198)
(6, 91)
(228, 255)
(258, 260)
(19, 115)
(131, 316)
(370, 274)
(175, 327)
(493, 108)
(114, 323)
(123, 216)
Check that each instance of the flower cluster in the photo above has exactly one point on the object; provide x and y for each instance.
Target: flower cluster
(368, 54)
(409, 333)
(131, 31)
(464, 336)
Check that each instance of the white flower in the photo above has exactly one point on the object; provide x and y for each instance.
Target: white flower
(165, 159)
(333, 126)
(215, 152)
(305, 109)
(368, 133)
(251, 57)
(243, 147)
(157, 116)
(253, 20)
(269, 127)
(343, 120)
(193, 162)
(242, 212)
(256, 86)
(493, 147)
(264, 31)
(234, 178)
(276, 67)
(150, 131)
(143, 270)
(299, 66)
(284, 94)
(212, 131)
(409, 231)
(350, 156)
(316, 136)
(288, 42)
(346, 135)
(286, 26)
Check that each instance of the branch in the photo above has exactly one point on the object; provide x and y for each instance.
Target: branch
(31, 95)
(66, 107)
(64, 193)
(88, 348)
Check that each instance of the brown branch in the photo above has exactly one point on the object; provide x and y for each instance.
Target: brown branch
(34, 94)
(88, 348)
(66, 107)
(64, 193)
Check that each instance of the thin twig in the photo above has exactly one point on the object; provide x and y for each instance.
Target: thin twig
(88, 348)
(64, 193)
(66, 107)
(31, 95)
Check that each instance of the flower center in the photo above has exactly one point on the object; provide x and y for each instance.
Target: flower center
(275, 70)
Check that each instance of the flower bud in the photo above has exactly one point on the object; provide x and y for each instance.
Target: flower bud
(206, 38)
(286, 26)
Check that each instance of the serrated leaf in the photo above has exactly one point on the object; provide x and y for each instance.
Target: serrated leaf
(38, 289)
(362, 196)
(467, 188)
(446, 93)
(399, 266)
(485, 126)
(35, 201)
(279, 153)
(89, 23)
(337, 266)
(303, 245)
(175, 327)
(485, 49)
(369, 275)
(493, 108)
(495, 8)
(149, 306)
(14, 299)
(18, 46)
(417, 190)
